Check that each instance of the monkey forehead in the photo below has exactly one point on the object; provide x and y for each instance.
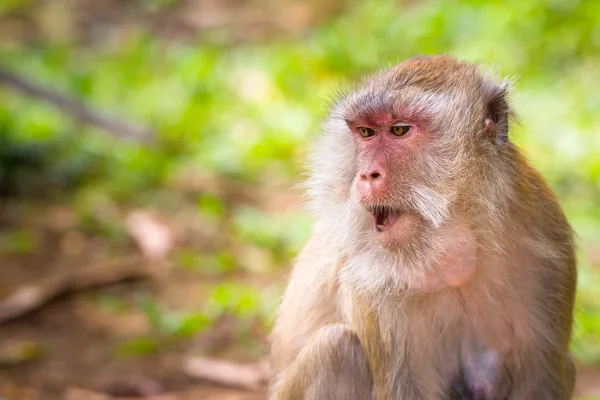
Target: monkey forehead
(419, 88)
(432, 73)
(410, 104)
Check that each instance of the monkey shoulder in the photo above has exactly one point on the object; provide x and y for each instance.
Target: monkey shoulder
(536, 209)
(537, 203)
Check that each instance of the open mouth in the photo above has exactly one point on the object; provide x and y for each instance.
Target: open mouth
(384, 217)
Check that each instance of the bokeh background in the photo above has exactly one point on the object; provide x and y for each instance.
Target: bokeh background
(151, 153)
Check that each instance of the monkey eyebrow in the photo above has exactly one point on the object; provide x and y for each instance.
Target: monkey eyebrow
(353, 124)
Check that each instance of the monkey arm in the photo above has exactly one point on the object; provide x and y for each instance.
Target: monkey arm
(333, 365)
(309, 303)
(549, 370)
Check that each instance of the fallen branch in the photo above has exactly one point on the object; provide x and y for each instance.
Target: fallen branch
(76, 109)
(11, 391)
(75, 393)
(30, 297)
(242, 376)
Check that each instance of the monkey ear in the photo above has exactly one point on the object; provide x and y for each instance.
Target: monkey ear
(497, 112)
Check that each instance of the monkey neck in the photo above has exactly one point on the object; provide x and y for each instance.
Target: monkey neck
(444, 259)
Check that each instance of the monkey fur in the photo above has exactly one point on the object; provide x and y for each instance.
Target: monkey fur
(441, 265)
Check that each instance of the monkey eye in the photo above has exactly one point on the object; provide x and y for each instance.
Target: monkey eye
(365, 132)
(400, 129)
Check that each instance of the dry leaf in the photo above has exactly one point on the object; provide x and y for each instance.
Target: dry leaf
(19, 351)
(10, 391)
(153, 236)
(246, 376)
(83, 394)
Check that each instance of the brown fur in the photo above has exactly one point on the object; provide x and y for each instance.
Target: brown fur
(379, 312)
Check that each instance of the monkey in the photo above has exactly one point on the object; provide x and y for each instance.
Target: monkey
(441, 265)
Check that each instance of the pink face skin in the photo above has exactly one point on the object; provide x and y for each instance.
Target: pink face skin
(384, 152)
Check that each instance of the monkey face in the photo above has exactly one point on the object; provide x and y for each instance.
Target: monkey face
(403, 152)
(393, 181)
(382, 182)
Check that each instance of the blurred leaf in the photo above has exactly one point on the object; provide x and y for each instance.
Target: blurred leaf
(16, 352)
(154, 313)
(216, 263)
(210, 206)
(19, 242)
(236, 299)
(111, 303)
(192, 324)
(138, 347)
(152, 235)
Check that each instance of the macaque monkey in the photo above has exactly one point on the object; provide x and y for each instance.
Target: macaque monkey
(441, 265)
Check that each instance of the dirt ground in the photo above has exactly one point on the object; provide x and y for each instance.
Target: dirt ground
(77, 339)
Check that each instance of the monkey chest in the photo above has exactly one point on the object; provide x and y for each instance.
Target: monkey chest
(432, 347)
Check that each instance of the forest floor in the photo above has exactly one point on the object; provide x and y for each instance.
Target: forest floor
(98, 337)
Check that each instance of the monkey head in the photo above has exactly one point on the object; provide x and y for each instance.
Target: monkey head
(400, 155)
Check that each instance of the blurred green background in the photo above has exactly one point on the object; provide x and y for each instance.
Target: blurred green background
(230, 92)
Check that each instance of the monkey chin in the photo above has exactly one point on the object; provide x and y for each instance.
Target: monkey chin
(394, 229)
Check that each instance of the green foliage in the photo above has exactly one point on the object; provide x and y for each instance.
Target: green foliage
(284, 235)
(216, 263)
(246, 112)
(246, 303)
(10, 5)
(165, 327)
(138, 347)
(18, 242)
(210, 206)
(110, 303)
(191, 324)
(236, 299)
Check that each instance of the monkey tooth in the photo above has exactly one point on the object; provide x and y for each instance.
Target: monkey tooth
(384, 217)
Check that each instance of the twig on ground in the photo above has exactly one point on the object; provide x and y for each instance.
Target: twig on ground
(81, 112)
(192, 394)
(29, 297)
(243, 376)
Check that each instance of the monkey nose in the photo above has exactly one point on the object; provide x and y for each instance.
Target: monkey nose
(371, 183)
(371, 176)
